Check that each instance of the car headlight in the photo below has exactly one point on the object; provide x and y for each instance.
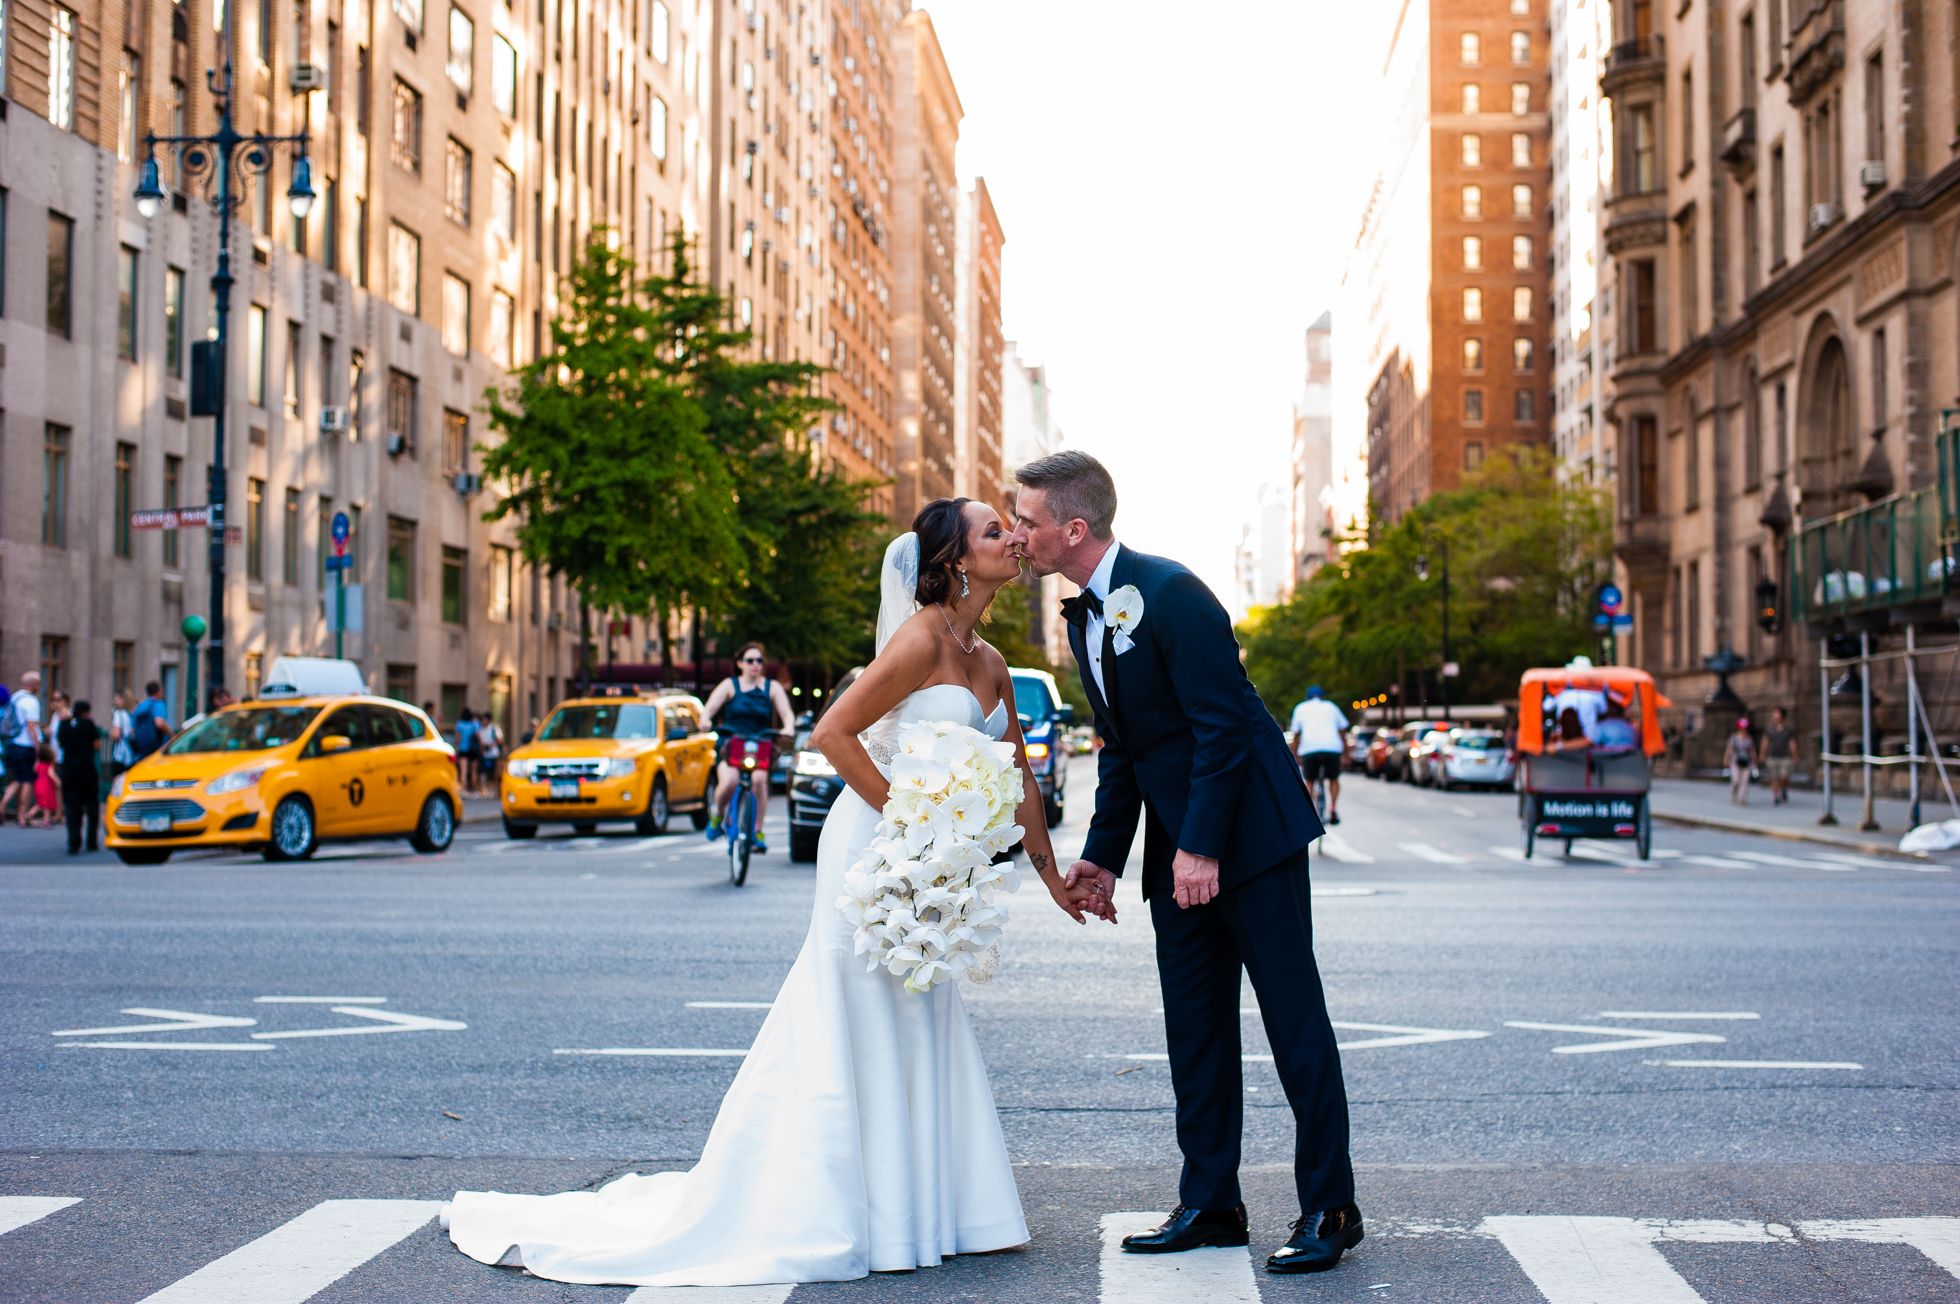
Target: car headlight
(1037, 751)
(519, 769)
(814, 763)
(237, 781)
(116, 788)
(621, 767)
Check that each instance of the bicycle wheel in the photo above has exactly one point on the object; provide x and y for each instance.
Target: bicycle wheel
(741, 834)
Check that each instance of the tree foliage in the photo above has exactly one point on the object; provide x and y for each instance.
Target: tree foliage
(1525, 556)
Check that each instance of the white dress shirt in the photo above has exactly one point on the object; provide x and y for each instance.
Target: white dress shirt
(1092, 632)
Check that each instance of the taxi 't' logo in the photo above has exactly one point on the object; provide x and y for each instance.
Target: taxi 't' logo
(356, 792)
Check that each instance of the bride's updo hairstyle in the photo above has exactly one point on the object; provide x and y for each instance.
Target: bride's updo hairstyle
(941, 527)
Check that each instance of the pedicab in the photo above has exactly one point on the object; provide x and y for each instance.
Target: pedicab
(1587, 736)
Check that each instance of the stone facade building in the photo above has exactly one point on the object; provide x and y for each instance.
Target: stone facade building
(1312, 532)
(980, 355)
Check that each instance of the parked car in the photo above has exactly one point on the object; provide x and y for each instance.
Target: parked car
(1397, 764)
(630, 757)
(1359, 738)
(814, 784)
(282, 774)
(1471, 756)
(1419, 770)
(1374, 761)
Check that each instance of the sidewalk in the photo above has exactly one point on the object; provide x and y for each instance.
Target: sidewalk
(1704, 804)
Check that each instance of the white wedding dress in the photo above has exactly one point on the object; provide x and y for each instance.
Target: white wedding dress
(859, 1136)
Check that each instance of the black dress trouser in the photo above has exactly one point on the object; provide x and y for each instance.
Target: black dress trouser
(1266, 926)
(80, 803)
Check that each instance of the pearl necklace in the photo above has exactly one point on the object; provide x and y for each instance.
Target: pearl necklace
(964, 647)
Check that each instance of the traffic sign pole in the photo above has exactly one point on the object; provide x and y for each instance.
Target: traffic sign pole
(340, 532)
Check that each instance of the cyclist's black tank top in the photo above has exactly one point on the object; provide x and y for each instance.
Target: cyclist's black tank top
(749, 711)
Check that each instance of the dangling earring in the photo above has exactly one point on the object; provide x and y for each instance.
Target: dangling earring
(963, 581)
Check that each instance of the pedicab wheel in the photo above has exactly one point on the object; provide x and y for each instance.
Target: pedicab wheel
(1527, 824)
(1644, 839)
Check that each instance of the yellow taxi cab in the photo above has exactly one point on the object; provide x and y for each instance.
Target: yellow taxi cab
(285, 774)
(637, 757)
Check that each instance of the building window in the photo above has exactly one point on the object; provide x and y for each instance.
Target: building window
(657, 128)
(1880, 400)
(1472, 98)
(458, 167)
(503, 76)
(401, 683)
(1645, 172)
(255, 361)
(289, 539)
(1875, 110)
(1521, 200)
(1752, 428)
(1473, 355)
(1470, 51)
(54, 663)
(1752, 250)
(1473, 150)
(455, 442)
(1520, 149)
(173, 321)
(126, 81)
(323, 541)
(1687, 122)
(61, 272)
(401, 409)
(1521, 253)
(1776, 208)
(500, 583)
(1521, 303)
(657, 31)
(125, 496)
(408, 127)
(61, 68)
(461, 65)
(1521, 48)
(1520, 99)
(503, 327)
(1473, 406)
(503, 203)
(401, 560)
(404, 269)
(1473, 203)
(255, 530)
(410, 12)
(1647, 460)
(455, 314)
(121, 657)
(1522, 354)
(295, 360)
(1473, 304)
(1690, 282)
(1473, 253)
(173, 477)
(455, 564)
(1642, 335)
(1473, 455)
(1524, 406)
(126, 303)
(254, 674)
(1694, 614)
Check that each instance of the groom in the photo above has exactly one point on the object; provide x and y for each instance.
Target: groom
(1190, 751)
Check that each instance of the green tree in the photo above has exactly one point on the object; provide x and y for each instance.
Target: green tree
(607, 461)
(1525, 556)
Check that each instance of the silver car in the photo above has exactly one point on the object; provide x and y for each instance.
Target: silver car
(1470, 756)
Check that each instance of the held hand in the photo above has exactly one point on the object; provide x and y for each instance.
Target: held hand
(1095, 887)
(1194, 878)
(1072, 902)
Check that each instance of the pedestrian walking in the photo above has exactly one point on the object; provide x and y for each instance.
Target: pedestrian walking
(1779, 757)
(58, 713)
(81, 785)
(467, 755)
(1740, 757)
(20, 727)
(490, 743)
(149, 722)
(47, 786)
(121, 754)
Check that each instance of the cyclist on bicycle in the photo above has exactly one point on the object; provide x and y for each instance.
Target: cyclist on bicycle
(752, 701)
(1320, 739)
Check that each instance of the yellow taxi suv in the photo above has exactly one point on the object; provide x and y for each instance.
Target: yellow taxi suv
(283, 776)
(638, 758)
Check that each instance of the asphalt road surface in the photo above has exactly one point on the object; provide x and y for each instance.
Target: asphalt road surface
(1725, 1075)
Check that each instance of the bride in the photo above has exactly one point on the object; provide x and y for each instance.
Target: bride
(860, 1134)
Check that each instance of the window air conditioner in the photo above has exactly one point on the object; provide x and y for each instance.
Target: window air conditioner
(333, 419)
(556, 621)
(397, 445)
(1872, 175)
(1822, 215)
(465, 484)
(308, 77)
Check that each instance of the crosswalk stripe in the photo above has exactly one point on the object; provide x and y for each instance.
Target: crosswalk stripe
(1591, 1260)
(301, 1258)
(1336, 847)
(1936, 1238)
(710, 1294)
(1508, 853)
(1217, 1275)
(1771, 858)
(19, 1210)
(1718, 862)
(1435, 855)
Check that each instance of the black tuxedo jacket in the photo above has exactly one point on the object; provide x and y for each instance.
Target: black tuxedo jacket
(1187, 744)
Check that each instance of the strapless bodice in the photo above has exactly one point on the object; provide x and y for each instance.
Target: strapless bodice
(952, 702)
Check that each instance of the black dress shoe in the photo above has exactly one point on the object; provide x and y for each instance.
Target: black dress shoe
(1318, 1241)
(1191, 1229)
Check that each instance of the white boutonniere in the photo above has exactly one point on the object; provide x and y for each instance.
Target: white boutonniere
(1123, 610)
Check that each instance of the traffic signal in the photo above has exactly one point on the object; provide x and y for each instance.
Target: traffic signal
(1769, 607)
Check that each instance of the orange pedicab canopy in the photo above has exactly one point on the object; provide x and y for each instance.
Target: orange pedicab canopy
(1633, 689)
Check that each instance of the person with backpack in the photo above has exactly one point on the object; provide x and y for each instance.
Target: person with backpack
(149, 722)
(490, 744)
(20, 731)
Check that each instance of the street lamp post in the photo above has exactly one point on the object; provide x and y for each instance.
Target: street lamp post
(220, 156)
(1422, 573)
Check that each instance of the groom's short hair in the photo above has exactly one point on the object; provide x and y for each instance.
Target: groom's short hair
(1077, 486)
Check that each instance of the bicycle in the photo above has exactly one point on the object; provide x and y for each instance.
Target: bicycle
(749, 756)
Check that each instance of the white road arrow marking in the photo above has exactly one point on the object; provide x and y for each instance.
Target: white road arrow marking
(1405, 1037)
(1633, 1038)
(182, 1020)
(394, 1023)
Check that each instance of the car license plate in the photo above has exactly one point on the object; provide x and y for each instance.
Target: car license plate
(564, 787)
(156, 824)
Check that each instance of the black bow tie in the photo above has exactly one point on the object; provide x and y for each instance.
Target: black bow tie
(1076, 610)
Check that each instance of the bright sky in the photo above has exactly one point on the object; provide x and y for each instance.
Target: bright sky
(1179, 187)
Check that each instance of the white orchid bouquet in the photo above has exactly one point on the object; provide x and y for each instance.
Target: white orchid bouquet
(923, 900)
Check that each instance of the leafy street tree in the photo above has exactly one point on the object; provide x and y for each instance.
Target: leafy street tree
(1525, 557)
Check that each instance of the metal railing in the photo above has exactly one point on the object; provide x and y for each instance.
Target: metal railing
(1885, 554)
